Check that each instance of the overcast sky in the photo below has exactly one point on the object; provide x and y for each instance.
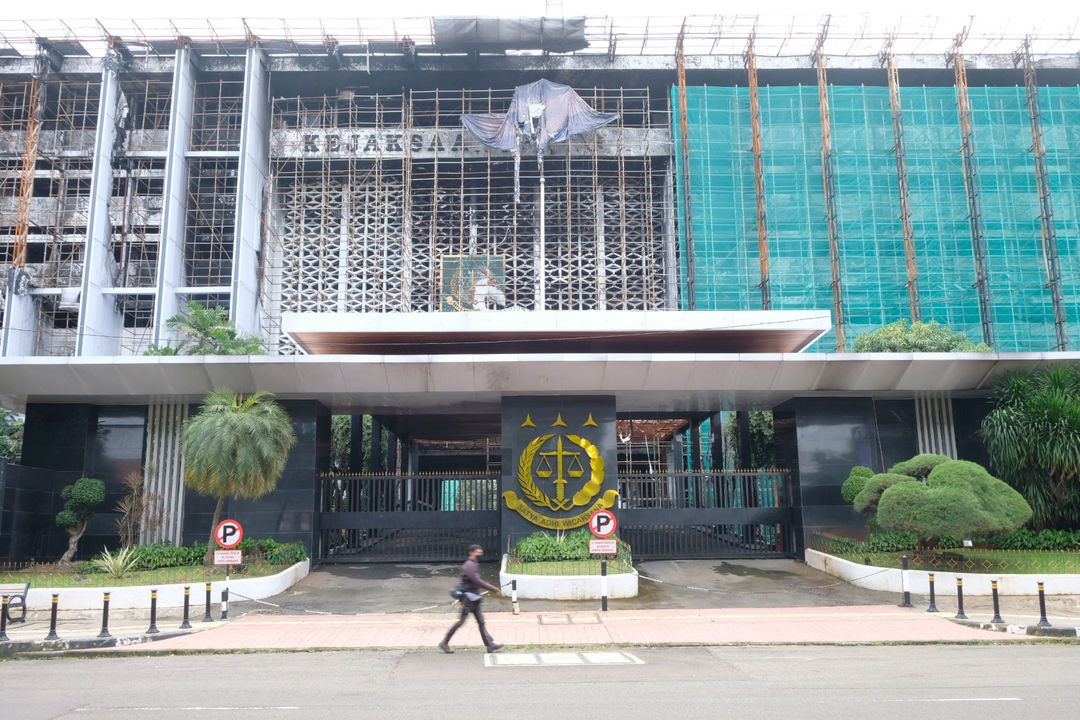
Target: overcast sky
(16, 9)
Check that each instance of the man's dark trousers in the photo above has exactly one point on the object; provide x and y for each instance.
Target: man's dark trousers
(471, 606)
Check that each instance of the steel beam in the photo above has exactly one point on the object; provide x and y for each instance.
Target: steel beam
(759, 176)
(910, 258)
(1046, 206)
(687, 218)
(971, 186)
(827, 175)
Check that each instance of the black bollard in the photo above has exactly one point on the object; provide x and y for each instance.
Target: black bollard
(1043, 622)
(225, 604)
(997, 608)
(52, 618)
(187, 607)
(933, 607)
(105, 618)
(903, 581)
(603, 584)
(513, 597)
(153, 613)
(960, 599)
(208, 617)
(3, 620)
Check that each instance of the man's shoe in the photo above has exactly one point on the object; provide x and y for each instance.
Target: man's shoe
(494, 648)
(445, 648)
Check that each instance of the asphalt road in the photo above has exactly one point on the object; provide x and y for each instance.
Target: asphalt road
(834, 683)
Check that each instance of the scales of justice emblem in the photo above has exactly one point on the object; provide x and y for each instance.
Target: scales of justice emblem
(558, 460)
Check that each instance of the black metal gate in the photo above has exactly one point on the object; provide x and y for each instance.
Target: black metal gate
(434, 517)
(707, 514)
(424, 517)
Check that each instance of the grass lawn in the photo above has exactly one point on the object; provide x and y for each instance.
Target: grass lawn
(565, 567)
(1013, 562)
(49, 576)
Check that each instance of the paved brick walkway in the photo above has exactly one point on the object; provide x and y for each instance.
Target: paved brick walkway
(859, 624)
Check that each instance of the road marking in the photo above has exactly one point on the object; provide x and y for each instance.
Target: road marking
(915, 700)
(551, 659)
(190, 708)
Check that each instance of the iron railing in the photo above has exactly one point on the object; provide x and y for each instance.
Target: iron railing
(705, 489)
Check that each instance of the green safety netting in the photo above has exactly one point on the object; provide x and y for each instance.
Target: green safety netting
(873, 271)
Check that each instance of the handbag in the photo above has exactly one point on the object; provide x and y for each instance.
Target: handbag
(458, 591)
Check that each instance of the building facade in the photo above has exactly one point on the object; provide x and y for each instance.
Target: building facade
(757, 193)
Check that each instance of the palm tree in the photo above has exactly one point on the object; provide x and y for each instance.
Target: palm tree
(198, 324)
(1033, 438)
(235, 447)
(207, 331)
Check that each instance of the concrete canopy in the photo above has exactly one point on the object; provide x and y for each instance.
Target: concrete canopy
(463, 384)
(561, 331)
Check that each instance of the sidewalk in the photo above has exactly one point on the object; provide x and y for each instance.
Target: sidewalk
(735, 626)
(682, 603)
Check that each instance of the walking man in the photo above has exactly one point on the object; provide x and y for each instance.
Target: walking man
(471, 583)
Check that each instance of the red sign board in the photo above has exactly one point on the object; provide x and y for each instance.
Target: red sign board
(228, 534)
(602, 523)
(602, 547)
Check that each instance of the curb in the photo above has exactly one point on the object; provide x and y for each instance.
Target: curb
(24, 647)
(1034, 630)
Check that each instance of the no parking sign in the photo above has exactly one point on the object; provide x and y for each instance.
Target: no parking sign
(602, 523)
(228, 534)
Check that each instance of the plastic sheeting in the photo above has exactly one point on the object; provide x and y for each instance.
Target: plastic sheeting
(873, 271)
(480, 34)
(541, 112)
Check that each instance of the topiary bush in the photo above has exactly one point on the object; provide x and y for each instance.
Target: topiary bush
(855, 482)
(960, 499)
(81, 499)
(919, 467)
(867, 500)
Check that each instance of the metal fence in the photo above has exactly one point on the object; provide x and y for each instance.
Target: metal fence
(707, 514)
(431, 517)
(705, 489)
(421, 517)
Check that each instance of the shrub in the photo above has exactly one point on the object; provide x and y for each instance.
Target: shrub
(889, 542)
(85, 567)
(901, 336)
(919, 467)
(117, 565)
(545, 546)
(867, 500)
(959, 499)
(855, 482)
(160, 555)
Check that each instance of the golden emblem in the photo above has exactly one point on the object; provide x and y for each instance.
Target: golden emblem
(564, 461)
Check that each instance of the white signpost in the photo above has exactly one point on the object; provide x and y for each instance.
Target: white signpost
(602, 523)
(228, 534)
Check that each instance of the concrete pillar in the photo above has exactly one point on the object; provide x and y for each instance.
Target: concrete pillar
(719, 459)
(100, 322)
(356, 444)
(170, 270)
(19, 337)
(251, 184)
(376, 445)
(744, 458)
(695, 445)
